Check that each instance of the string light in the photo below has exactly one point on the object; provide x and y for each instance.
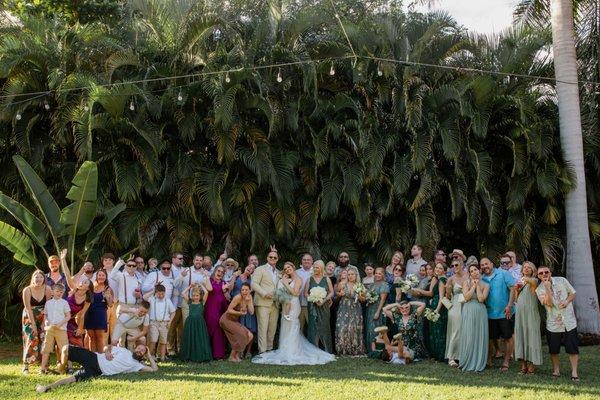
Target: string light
(279, 78)
(379, 71)
(46, 105)
(227, 78)
(132, 106)
(179, 96)
(86, 108)
(332, 70)
(18, 116)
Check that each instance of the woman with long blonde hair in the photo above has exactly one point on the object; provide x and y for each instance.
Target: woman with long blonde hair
(34, 299)
(528, 342)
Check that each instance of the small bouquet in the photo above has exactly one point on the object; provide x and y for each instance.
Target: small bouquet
(410, 282)
(372, 296)
(413, 280)
(359, 289)
(282, 295)
(432, 315)
(317, 295)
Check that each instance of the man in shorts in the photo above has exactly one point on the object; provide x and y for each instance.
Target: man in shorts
(557, 295)
(114, 360)
(132, 325)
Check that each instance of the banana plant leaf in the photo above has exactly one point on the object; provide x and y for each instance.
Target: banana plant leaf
(32, 225)
(18, 243)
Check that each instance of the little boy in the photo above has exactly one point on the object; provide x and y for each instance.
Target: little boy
(56, 315)
(162, 312)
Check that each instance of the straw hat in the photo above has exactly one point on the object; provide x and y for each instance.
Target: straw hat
(458, 252)
(472, 260)
(380, 329)
(232, 261)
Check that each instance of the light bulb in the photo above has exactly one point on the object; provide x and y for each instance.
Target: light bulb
(132, 106)
(86, 108)
(179, 96)
(332, 70)
(18, 116)
(46, 105)
(227, 78)
(379, 72)
(279, 78)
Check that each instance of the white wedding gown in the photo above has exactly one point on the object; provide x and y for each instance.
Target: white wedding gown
(294, 348)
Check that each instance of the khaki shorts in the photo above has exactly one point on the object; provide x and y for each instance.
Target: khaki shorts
(54, 336)
(158, 332)
(120, 332)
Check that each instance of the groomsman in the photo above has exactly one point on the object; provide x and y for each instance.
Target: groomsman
(304, 272)
(344, 265)
(264, 283)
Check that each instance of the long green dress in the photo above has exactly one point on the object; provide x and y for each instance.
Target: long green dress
(349, 338)
(196, 342)
(437, 330)
(381, 288)
(319, 317)
(454, 322)
(528, 340)
(411, 333)
(473, 336)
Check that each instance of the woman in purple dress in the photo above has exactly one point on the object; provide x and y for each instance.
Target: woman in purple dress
(215, 307)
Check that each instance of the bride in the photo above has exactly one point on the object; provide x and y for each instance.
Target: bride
(294, 349)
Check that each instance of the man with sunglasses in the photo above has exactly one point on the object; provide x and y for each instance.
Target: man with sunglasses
(509, 263)
(127, 289)
(557, 295)
(264, 284)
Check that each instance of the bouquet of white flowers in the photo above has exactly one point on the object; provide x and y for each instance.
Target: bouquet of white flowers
(372, 296)
(317, 295)
(432, 315)
(410, 282)
(413, 280)
(359, 289)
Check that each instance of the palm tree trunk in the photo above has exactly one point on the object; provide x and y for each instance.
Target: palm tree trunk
(580, 270)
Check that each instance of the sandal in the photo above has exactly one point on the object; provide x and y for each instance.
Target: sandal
(575, 378)
(556, 374)
(504, 368)
(453, 363)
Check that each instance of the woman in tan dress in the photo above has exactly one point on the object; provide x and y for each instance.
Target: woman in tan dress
(240, 338)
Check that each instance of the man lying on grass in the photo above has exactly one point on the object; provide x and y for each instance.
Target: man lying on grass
(114, 360)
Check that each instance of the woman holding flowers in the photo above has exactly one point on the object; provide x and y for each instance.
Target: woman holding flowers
(439, 321)
(376, 300)
(528, 341)
(407, 316)
(474, 335)
(319, 327)
(349, 339)
(454, 293)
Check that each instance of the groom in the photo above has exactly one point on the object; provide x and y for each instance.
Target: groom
(264, 283)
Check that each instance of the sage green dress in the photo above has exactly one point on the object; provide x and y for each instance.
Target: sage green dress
(437, 330)
(370, 324)
(319, 326)
(528, 339)
(474, 336)
(454, 322)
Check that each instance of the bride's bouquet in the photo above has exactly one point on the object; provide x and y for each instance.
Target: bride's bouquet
(432, 315)
(317, 295)
(359, 289)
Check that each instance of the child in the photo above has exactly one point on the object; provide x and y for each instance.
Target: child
(381, 342)
(195, 344)
(162, 312)
(57, 313)
(285, 299)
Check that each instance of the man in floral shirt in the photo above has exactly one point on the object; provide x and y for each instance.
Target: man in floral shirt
(557, 295)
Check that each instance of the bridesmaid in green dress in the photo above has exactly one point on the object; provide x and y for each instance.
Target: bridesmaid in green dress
(437, 329)
(195, 344)
(528, 341)
(319, 326)
(406, 317)
(454, 293)
(374, 314)
(349, 337)
(474, 335)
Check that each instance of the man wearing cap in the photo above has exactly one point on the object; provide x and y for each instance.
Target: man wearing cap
(509, 263)
(231, 266)
(55, 275)
(193, 275)
(416, 262)
(304, 272)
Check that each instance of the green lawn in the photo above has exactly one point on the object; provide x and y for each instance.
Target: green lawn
(348, 378)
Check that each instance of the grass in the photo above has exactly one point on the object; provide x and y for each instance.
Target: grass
(347, 378)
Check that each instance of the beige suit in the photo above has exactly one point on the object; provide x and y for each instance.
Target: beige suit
(267, 310)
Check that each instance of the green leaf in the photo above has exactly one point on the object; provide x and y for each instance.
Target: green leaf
(32, 225)
(78, 216)
(41, 196)
(93, 236)
(18, 243)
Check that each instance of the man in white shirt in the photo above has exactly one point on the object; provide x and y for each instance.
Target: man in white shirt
(162, 313)
(414, 264)
(188, 277)
(114, 360)
(132, 325)
(164, 276)
(304, 272)
(128, 288)
(509, 262)
(140, 268)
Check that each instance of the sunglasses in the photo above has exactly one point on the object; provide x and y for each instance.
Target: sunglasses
(166, 268)
(544, 273)
(504, 262)
(455, 257)
(131, 265)
(455, 265)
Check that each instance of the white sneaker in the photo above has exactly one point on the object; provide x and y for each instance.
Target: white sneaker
(41, 389)
(287, 318)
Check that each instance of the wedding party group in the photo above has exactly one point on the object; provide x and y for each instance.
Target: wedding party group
(457, 310)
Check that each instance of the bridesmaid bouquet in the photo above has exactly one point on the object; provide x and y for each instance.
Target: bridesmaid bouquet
(317, 295)
(432, 315)
(410, 282)
(359, 289)
(372, 296)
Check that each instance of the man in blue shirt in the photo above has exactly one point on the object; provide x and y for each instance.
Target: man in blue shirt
(500, 307)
